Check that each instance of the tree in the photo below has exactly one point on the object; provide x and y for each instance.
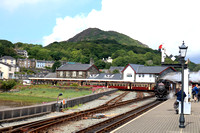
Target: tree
(115, 71)
(56, 65)
(120, 61)
(118, 53)
(44, 54)
(100, 64)
(56, 55)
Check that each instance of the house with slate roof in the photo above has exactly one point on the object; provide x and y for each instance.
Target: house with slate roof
(141, 73)
(8, 60)
(78, 71)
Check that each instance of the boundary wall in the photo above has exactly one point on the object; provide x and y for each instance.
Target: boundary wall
(35, 110)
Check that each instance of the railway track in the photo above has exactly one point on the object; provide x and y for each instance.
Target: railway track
(43, 125)
(112, 123)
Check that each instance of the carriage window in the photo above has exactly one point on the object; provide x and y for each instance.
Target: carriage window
(142, 75)
(150, 75)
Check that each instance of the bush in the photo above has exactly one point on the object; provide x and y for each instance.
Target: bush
(74, 84)
(7, 85)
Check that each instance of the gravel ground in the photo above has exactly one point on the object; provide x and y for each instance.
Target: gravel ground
(75, 126)
(71, 127)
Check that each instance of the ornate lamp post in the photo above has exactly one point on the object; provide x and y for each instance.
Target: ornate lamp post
(183, 50)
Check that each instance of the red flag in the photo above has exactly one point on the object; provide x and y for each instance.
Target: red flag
(160, 47)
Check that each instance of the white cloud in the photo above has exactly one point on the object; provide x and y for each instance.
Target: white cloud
(151, 22)
(66, 28)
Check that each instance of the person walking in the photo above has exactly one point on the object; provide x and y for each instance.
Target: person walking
(195, 92)
(178, 99)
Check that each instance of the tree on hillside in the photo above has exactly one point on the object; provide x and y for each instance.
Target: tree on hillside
(56, 65)
(100, 64)
(120, 61)
(7, 49)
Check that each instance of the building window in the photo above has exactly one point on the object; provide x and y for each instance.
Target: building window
(80, 73)
(74, 74)
(139, 75)
(61, 73)
(10, 75)
(67, 74)
(142, 75)
(129, 75)
(150, 75)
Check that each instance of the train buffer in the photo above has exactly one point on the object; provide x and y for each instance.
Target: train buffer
(163, 119)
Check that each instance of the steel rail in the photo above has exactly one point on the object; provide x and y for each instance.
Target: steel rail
(112, 123)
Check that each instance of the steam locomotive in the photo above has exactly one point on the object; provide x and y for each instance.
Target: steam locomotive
(161, 89)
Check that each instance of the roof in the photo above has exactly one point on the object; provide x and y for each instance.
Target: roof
(106, 76)
(116, 68)
(7, 57)
(147, 69)
(151, 69)
(133, 66)
(77, 67)
(6, 64)
(50, 75)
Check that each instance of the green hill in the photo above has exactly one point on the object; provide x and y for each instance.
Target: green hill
(92, 34)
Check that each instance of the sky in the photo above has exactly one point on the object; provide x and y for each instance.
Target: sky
(152, 22)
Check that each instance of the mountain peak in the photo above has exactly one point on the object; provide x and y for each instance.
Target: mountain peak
(92, 34)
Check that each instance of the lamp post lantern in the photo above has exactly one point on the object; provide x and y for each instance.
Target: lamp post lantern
(183, 50)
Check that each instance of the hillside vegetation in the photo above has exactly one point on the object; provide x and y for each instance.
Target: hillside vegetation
(92, 43)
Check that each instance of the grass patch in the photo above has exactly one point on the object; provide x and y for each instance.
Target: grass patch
(41, 93)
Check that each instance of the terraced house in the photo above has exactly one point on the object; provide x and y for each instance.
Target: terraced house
(78, 71)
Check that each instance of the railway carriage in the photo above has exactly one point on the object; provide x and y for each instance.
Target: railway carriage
(118, 84)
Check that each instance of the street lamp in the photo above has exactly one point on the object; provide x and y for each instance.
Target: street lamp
(183, 50)
(57, 105)
(58, 96)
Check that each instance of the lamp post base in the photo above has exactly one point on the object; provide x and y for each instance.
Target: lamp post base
(182, 121)
(181, 126)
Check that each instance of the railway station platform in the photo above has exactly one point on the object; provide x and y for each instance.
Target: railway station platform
(163, 119)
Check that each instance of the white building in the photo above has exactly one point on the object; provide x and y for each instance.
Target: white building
(109, 60)
(7, 71)
(8, 60)
(141, 73)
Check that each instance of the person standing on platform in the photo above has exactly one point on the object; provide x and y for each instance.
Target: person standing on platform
(196, 90)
